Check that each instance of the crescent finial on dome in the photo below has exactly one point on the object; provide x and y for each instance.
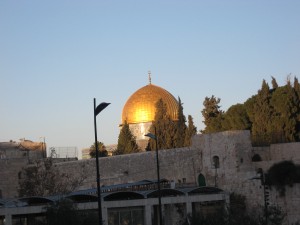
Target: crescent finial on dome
(149, 76)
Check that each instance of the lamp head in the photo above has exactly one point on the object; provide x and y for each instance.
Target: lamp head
(100, 107)
(152, 136)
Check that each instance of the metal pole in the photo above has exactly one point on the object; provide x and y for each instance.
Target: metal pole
(158, 181)
(97, 168)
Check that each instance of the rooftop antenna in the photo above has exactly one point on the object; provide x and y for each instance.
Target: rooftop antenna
(149, 76)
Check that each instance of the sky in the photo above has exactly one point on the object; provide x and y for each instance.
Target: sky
(57, 56)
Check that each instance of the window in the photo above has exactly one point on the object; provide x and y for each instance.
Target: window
(256, 158)
(216, 163)
(130, 215)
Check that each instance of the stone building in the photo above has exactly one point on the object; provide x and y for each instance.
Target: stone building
(13, 157)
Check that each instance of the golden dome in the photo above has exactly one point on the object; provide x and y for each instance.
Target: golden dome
(140, 107)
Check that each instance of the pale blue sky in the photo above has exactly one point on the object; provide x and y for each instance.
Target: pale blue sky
(56, 56)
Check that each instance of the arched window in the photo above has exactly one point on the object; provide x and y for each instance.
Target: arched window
(201, 180)
(216, 163)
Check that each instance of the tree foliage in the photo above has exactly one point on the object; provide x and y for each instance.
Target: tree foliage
(236, 118)
(190, 131)
(171, 134)
(261, 123)
(126, 141)
(44, 179)
(102, 152)
(271, 114)
(212, 115)
(163, 127)
(180, 127)
(284, 118)
(274, 83)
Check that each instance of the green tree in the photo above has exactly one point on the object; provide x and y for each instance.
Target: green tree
(262, 111)
(102, 152)
(274, 83)
(272, 115)
(190, 131)
(297, 87)
(44, 179)
(212, 115)
(236, 118)
(126, 141)
(284, 103)
(164, 128)
(181, 126)
(249, 107)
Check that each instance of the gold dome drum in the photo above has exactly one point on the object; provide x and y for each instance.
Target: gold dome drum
(140, 107)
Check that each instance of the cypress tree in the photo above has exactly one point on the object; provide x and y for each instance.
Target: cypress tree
(297, 87)
(212, 114)
(190, 131)
(126, 141)
(262, 111)
(249, 107)
(164, 128)
(274, 83)
(284, 101)
(181, 126)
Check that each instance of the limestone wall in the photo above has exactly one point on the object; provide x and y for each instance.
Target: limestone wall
(176, 164)
(279, 152)
(233, 150)
(234, 172)
(287, 151)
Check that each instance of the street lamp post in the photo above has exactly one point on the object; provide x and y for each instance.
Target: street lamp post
(97, 110)
(153, 136)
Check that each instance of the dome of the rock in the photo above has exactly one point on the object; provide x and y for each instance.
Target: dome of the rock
(140, 107)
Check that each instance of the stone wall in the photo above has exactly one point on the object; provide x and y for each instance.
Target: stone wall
(176, 164)
(236, 169)
(233, 173)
